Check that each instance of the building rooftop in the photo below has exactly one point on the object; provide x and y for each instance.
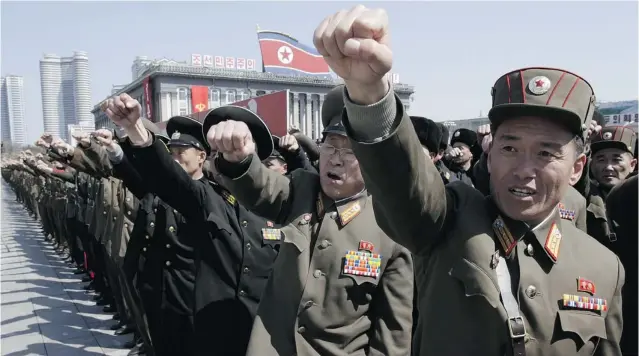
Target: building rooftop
(233, 74)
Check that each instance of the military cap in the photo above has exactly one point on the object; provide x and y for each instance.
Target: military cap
(260, 132)
(469, 137)
(444, 142)
(332, 110)
(559, 95)
(186, 131)
(621, 137)
(428, 133)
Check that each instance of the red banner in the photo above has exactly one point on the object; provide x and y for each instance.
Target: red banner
(272, 108)
(147, 98)
(199, 98)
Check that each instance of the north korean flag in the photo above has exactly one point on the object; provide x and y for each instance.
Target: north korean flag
(283, 54)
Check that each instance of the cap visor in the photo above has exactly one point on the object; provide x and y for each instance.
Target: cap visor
(602, 145)
(566, 118)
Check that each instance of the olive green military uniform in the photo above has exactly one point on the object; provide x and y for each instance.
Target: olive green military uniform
(561, 297)
(599, 227)
(317, 300)
(572, 206)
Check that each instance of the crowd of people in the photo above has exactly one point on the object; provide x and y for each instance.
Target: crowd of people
(391, 236)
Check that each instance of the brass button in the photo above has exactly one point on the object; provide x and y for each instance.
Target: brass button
(308, 304)
(168, 263)
(155, 210)
(104, 213)
(301, 329)
(530, 250)
(174, 211)
(244, 223)
(171, 229)
(144, 249)
(168, 245)
(115, 218)
(325, 244)
(126, 225)
(152, 224)
(317, 273)
(128, 212)
(531, 291)
(246, 270)
(242, 293)
(147, 237)
(248, 246)
(333, 215)
(128, 199)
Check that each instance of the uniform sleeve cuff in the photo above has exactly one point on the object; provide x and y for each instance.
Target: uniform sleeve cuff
(370, 123)
(116, 156)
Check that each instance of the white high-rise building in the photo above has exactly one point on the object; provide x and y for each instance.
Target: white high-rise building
(12, 103)
(66, 93)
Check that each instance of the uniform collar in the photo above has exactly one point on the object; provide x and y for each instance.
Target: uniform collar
(347, 209)
(548, 233)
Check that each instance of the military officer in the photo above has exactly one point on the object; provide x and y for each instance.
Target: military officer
(234, 256)
(495, 296)
(611, 162)
(460, 158)
(340, 286)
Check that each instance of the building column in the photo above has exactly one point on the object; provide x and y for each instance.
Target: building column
(302, 120)
(309, 115)
(320, 124)
(296, 110)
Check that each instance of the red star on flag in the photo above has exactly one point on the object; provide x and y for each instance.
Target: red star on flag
(285, 53)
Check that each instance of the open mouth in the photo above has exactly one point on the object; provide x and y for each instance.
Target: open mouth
(522, 191)
(333, 176)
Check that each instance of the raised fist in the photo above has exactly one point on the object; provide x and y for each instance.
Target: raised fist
(593, 129)
(453, 152)
(232, 139)
(82, 138)
(122, 110)
(47, 138)
(355, 44)
(289, 143)
(41, 143)
(105, 139)
(484, 137)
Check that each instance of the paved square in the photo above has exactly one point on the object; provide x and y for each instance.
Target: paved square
(43, 306)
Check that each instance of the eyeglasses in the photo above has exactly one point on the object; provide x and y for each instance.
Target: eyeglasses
(345, 154)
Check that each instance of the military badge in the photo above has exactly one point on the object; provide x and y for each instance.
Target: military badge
(270, 234)
(175, 135)
(539, 85)
(553, 241)
(351, 211)
(361, 263)
(584, 303)
(584, 285)
(607, 135)
(566, 214)
(366, 246)
(504, 236)
(229, 198)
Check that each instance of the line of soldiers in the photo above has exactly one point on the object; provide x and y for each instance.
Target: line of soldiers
(217, 238)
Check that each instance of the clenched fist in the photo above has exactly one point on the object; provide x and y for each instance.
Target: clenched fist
(289, 143)
(356, 45)
(484, 137)
(232, 139)
(82, 138)
(105, 139)
(123, 110)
